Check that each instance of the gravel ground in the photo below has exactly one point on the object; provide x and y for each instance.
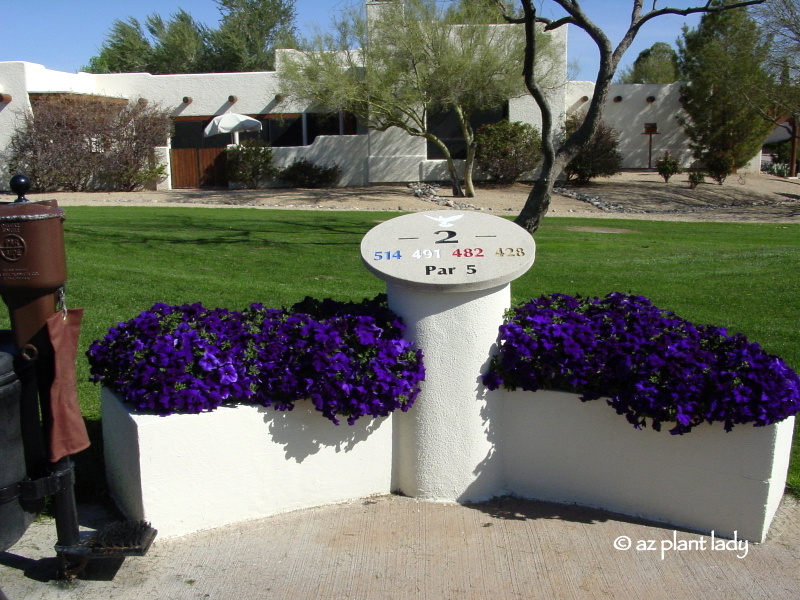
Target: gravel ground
(634, 195)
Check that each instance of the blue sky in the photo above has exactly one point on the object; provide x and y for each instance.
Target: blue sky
(64, 34)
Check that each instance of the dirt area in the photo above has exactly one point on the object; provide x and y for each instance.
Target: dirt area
(637, 195)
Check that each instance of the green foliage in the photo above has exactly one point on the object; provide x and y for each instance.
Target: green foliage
(656, 64)
(305, 174)
(667, 166)
(249, 32)
(720, 58)
(597, 158)
(696, 178)
(506, 150)
(719, 165)
(250, 163)
(415, 58)
(244, 41)
(80, 144)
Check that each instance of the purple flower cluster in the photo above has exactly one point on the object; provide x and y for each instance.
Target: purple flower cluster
(648, 363)
(349, 359)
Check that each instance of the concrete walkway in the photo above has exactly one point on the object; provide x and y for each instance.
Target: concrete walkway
(391, 547)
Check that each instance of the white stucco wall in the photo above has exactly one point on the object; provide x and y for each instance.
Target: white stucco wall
(186, 473)
(627, 109)
(255, 92)
(13, 82)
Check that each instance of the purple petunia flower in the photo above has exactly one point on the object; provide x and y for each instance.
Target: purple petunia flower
(349, 358)
(649, 363)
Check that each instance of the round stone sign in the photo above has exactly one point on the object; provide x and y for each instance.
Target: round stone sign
(448, 251)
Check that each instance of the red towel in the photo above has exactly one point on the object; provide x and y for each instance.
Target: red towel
(68, 433)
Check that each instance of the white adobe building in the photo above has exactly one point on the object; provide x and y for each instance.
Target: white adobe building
(297, 131)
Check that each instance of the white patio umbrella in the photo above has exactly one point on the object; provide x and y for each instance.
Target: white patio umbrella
(232, 123)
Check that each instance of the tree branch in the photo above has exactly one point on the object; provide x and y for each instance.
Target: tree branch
(707, 8)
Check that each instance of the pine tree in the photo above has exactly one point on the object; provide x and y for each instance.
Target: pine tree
(656, 64)
(720, 59)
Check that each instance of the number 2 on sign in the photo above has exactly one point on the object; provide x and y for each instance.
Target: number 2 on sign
(386, 255)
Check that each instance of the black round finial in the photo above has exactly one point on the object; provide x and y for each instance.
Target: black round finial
(20, 184)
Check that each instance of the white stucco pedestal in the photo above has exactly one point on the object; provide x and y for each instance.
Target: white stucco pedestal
(448, 277)
(444, 446)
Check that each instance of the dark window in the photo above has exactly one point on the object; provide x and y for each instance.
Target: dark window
(286, 131)
(444, 125)
(189, 134)
(280, 130)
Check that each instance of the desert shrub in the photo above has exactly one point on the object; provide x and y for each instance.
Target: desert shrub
(506, 150)
(250, 163)
(129, 162)
(305, 174)
(597, 158)
(776, 168)
(696, 178)
(79, 144)
(667, 166)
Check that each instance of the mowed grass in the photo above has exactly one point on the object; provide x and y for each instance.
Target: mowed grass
(123, 259)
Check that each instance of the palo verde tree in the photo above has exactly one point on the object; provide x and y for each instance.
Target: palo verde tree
(724, 55)
(558, 153)
(397, 67)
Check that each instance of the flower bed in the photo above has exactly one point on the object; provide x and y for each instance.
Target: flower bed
(648, 363)
(349, 359)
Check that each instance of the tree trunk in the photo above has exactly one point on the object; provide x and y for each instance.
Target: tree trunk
(538, 202)
(469, 164)
(454, 179)
(451, 165)
(793, 154)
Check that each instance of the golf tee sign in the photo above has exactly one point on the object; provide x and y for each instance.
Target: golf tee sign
(448, 277)
(448, 251)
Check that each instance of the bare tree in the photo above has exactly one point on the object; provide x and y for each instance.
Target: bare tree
(780, 19)
(558, 155)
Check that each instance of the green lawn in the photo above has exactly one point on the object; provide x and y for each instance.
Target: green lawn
(121, 260)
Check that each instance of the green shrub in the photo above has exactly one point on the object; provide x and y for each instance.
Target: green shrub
(667, 166)
(778, 169)
(597, 158)
(696, 178)
(506, 150)
(305, 174)
(250, 163)
(719, 165)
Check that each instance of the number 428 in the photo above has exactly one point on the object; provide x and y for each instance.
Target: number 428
(510, 252)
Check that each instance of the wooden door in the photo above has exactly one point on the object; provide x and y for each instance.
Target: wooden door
(198, 167)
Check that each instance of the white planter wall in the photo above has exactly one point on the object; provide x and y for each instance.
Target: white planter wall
(185, 473)
(557, 448)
